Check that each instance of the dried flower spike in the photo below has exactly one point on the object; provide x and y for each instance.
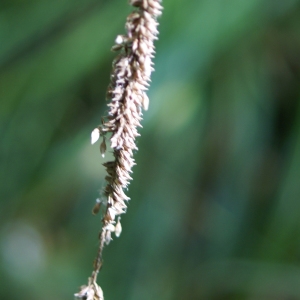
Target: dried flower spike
(97, 206)
(129, 80)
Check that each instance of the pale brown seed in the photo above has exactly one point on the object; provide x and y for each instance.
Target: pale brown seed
(110, 227)
(118, 228)
(103, 148)
(96, 207)
(107, 237)
(95, 135)
(116, 47)
(145, 102)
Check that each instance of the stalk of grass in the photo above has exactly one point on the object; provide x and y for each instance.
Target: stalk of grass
(129, 80)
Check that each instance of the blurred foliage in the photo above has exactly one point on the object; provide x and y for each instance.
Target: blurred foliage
(215, 197)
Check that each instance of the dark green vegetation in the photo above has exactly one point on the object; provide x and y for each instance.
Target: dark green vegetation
(215, 209)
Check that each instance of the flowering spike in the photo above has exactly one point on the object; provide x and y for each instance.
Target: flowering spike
(129, 80)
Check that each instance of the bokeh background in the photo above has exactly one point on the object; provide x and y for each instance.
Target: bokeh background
(215, 209)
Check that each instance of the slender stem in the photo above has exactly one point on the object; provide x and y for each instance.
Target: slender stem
(98, 260)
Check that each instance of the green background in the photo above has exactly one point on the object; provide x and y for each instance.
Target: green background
(215, 197)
